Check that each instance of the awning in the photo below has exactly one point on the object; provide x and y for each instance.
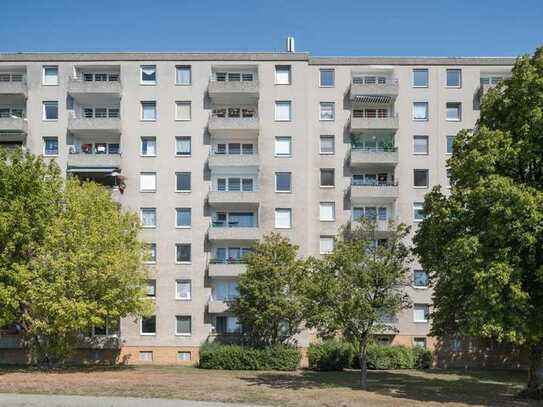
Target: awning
(372, 99)
(101, 170)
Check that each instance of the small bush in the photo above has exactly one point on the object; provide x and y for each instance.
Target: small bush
(390, 357)
(423, 358)
(235, 357)
(330, 355)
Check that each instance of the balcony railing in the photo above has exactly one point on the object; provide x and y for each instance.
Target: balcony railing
(80, 85)
(13, 83)
(233, 125)
(363, 183)
(374, 122)
(218, 159)
(232, 224)
(227, 261)
(373, 89)
(361, 156)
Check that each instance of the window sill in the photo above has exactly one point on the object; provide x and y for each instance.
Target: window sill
(147, 120)
(183, 84)
(321, 153)
(327, 120)
(327, 86)
(283, 192)
(420, 322)
(284, 121)
(148, 83)
(421, 87)
(183, 155)
(183, 227)
(454, 120)
(144, 334)
(327, 186)
(49, 155)
(147, 191)
(420, 120)
(420, 187)
(183, 120)
(148, 227)
(183, 263)
(414, 153)
(327, 220)
(49, 120)
(148, 155)
(183, 299)
(183, 334)
(419, 287)
(283, 228)
(50, 84)
(183, 192)
(454, 87)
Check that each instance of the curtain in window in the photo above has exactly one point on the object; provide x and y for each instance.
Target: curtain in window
(183, 145)
(183, 75)
(182, 111)
(420, 110)
(183, 289)
(183, 325)
(148, 217)
(148, 111)
(183, 217)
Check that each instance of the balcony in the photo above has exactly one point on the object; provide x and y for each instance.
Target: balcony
(13, 125)
(78, 86)
(362, 123)
(366, 89)
(232, 199)
(237, 92)
(217, 160)
(226, 268)
(384, 192)
(372, 157)
(13, 84)
(220, 125)
(80, 160)
(239, 233)
(102, 125)
(218, 306)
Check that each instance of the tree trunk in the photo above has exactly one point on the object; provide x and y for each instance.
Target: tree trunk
(535, 373)
(363, 367)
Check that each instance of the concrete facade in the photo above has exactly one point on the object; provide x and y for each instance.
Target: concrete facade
(233, 128)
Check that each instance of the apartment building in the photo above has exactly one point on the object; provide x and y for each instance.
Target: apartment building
(214, 150)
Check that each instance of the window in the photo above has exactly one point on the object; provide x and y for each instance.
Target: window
(327, 177)
(419, 343)
(371, 213)
(151, 288)
(327, 145)
(227, 325)
(420, 278)
(454, 112)
(148, 111)
(420, 312)
(420, 178)
(50, 110)
(450, 144)
(182, 253)
(282, 111)
(225, 290)
(184, 356)
(327, 211)
(326, 244)
(50, 146)
(420, 144)
(182, 182)
(420, 78)
(454, 78)
(418, 211)
(183, 325)
(182, 111)
(148, 217)
(148, 182)
(148, 326)
(282, 74)
(420, 111)
(148, 146)
(327, 111)
(148, 74)
(327, 79)
(183, 146)
(146, 356)
(50, 75)
(183, 75)
(234, 184)
(283, 146)
(183, 218)
(151, 253)
(283, 218)
(282, 182)
(182, 290)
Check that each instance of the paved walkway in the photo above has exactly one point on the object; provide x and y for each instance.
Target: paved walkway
(27, 400)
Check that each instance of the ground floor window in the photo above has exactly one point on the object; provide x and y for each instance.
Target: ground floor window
(146, 356)
(184, 356)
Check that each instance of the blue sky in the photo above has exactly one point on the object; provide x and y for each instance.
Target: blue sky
(350, 27)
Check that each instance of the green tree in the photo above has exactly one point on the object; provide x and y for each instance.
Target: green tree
(70, 259)
(356, 289)
(483, 243)
(270, 306)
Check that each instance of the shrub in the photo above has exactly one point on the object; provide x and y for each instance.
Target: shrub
(235, 357)
(390, 357)
(423, 358)
(330, 355)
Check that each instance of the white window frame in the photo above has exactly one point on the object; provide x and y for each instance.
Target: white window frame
(184, 261)
(156, 254)
(141, 112)
(427, 178)
(141, 146)
(190, 179)
(44, 117)
(183, 226)
(141, 218)
(459, 107)
(184, 352)
(146, 352)
(289, 82)
(328, 136)
(427, 112)
(44, 150)
(447, 144)
(323, 104)
(283, 102)
(420, 136)
(283, 210)
(190, 75)
(326, 238)
(185, 103)
(324, 204)
(321, 70)
(459, 86)
(145, 333)
(145, 82)
(427, 309)
(190, 144)
(43, 81)
(190, 289)
(417, 206)
(183, 334)
(427, 78)
(148, 173)
(419, 287)
(283, 138)
(290, 182)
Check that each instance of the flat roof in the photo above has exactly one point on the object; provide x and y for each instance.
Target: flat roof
(249, 56)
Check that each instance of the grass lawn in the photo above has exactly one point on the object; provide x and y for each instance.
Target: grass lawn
(302, 388)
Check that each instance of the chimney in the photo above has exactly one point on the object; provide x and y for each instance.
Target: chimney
(290, 44)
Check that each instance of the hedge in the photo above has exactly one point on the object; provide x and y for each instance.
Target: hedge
(235, 357)
(338, 355)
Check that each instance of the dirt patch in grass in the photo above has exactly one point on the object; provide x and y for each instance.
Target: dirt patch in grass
(293, 389)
